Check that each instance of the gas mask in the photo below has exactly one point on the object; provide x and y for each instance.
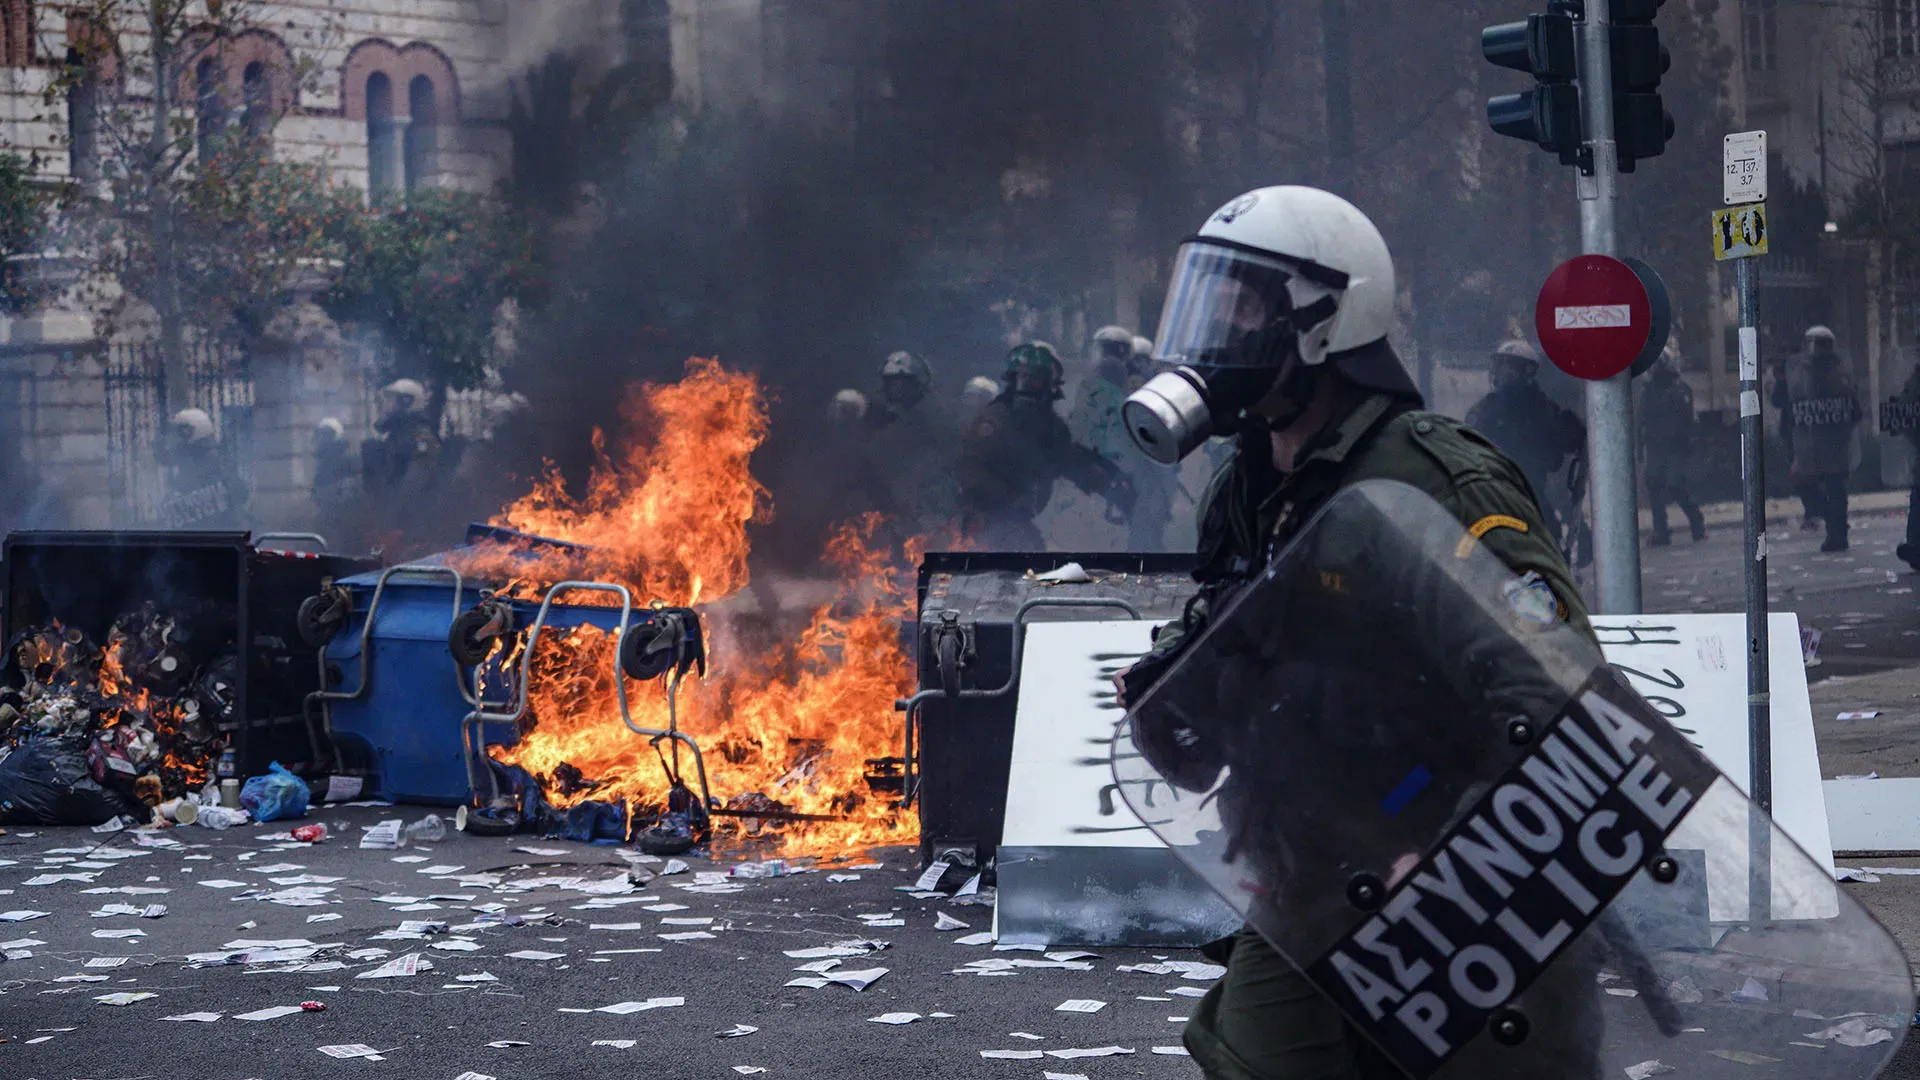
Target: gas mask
(1229, 340)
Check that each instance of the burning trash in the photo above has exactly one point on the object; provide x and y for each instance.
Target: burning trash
(94, 731)
(766, 741)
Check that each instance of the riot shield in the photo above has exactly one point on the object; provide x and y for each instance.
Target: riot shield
(1431, 794)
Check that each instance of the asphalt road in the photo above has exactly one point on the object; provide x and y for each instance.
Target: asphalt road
(431, 1025)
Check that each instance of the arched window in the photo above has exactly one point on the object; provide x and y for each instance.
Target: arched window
(256, 117)
(423, 132)
(16, 33)
(648, 26)
(383, 171)
(209, 110)
(83, 116)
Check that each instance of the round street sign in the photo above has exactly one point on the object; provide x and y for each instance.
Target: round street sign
(1594, 317)
(1661, 302)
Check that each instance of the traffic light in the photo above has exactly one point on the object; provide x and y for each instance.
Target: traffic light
(1549, 114)
(1641, 123)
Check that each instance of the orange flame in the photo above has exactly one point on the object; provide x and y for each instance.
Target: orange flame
(57, 663)
(796, 722)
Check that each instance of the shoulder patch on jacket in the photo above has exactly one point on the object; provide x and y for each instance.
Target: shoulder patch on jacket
(1484, 526)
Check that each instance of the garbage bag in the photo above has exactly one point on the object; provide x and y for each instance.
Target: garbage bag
(592, 821)
(46, 782)
(277, 795)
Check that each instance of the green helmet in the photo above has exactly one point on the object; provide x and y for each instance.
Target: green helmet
(1038, 361)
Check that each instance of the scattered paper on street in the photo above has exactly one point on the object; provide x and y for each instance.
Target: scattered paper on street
(273, 1012)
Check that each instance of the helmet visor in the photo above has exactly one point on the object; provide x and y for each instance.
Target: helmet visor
(1221, 299)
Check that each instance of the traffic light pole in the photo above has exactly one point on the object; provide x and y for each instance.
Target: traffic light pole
(1610, 464)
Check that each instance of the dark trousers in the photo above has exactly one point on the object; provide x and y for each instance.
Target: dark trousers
(1913, 510)
(1826, 498)
(1666, 485)
(1805, 488)
(1264, 1021)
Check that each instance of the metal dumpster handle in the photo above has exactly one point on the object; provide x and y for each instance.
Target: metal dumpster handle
(301, 537)
(911, 706)
(322, 696)
(471, 729)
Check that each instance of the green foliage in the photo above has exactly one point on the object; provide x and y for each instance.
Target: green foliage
(23, 223)
(248, 231)
(429, 277)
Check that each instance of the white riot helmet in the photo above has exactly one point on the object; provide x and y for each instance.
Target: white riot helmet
(1279, 283)
(847, 407)
(412, 392)
(980, 390)
(193, 426)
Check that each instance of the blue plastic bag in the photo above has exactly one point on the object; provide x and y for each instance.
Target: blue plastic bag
(277, 795)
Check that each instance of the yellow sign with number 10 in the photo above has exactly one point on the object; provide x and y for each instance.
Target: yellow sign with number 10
(1740, 232)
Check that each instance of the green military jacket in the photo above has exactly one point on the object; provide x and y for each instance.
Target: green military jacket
(1250, 511)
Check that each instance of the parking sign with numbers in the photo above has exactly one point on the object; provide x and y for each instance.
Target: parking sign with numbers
(1745, 168)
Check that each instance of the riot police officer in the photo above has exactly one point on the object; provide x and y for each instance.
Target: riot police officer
(905, 381)
(1014, 451)
(334, 472)
(406, 454)
(1095, 417)
(204, 489)
(1909, 550)
(1529, 427)
(1822, 411)
(1666, 443)
(1275, 330)
(1095, 421)
(902, 466)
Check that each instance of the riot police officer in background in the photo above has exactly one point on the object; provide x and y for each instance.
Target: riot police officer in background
(904, 462)
(334, 471)
(1275, 331)
(1018, 447)
(1531, 428)
(1909, 397)
(1666, 443)
(905, 381)
(204, 489)
(1095, 417)
(1095, 422)
(405, 456)
(1822, 411)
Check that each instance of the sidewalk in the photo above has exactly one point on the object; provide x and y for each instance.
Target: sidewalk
(1782, 513)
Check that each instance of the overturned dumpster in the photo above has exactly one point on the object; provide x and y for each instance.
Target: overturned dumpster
(135, 660)
(427, 664)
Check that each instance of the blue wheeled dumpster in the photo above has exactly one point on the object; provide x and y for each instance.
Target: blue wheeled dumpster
(398, 703)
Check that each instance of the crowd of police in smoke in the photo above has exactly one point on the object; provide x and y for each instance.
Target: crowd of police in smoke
(404, 462)
(987, 472)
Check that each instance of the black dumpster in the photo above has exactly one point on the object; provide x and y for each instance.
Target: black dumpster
(222, 588)
(971, 602)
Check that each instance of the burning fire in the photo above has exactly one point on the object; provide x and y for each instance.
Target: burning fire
(668, 518)
(145, 726)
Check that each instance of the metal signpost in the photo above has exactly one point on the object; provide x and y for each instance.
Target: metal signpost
(1740, 235)
(1616, 510)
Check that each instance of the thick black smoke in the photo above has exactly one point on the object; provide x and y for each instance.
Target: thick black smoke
(974, 168)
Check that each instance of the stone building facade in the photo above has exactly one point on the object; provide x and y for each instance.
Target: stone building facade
(390, 95)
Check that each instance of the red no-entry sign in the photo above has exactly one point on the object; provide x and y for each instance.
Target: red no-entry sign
(1594, 317)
